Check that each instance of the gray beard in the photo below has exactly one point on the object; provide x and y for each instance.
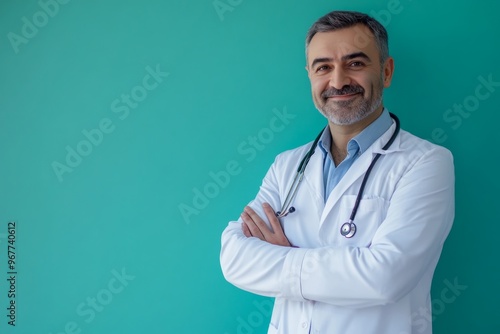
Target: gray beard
(344, 113)
(356, 114)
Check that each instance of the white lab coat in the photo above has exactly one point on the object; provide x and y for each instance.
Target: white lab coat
(376, 282)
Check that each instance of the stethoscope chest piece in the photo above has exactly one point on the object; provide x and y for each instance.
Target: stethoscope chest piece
(348, 229)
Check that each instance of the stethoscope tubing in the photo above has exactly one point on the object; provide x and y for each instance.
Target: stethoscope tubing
(285, 209)
(348, 229)
(369, 170)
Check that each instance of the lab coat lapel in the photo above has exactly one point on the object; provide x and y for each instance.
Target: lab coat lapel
(358, 170)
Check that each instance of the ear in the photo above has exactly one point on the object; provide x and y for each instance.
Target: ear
(308, 72)
(388, 71)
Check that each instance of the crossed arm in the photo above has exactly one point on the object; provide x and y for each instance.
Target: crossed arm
(407, 245)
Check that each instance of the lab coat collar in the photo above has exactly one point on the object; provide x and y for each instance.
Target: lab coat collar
(379, 143)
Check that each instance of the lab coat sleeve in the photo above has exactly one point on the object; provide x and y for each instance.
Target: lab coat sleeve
(250, 263)
(407, 243)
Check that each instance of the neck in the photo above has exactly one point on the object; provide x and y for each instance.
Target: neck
(341, 134)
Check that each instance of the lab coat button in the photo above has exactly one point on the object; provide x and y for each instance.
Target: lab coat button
(304, 324)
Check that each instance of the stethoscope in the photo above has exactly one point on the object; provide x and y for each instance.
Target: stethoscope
(348, 229)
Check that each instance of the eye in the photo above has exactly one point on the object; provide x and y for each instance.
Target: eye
(322, 68)
(356, 64)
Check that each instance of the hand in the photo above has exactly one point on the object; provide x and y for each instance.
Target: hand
(254, 226)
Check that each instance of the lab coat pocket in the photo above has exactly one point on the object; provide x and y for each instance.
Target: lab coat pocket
(370, 214)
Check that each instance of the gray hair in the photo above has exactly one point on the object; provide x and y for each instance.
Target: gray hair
(344, 19)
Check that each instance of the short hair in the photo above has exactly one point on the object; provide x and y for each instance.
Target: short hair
(344, 19)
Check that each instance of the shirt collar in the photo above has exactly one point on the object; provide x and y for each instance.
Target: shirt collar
(363, 140)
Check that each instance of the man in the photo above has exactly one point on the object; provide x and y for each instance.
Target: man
(330, 274)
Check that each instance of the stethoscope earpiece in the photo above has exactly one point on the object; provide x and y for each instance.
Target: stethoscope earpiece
(285, 213)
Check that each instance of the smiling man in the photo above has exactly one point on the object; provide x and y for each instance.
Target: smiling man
(346, 231)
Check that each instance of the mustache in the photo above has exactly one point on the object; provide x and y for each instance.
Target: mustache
(344, 91)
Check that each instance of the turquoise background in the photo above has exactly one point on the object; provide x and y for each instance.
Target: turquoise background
(119, 208)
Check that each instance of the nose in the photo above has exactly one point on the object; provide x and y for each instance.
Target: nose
(339, 78)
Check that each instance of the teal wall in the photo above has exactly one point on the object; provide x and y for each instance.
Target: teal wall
(101, 243)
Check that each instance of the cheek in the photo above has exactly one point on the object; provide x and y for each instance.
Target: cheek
(317, 87)
(370, 83)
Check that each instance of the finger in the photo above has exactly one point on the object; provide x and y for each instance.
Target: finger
(278, 237)
(263, 227)
(271, 215)
(253, 228)
(245, 230)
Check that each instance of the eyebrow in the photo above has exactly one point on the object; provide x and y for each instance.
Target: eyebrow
(344, 58)
(321, 60)
(356, 55)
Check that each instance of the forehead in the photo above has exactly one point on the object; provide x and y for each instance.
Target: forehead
(335, 44)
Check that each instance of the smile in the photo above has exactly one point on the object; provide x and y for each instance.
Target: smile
(343, 97)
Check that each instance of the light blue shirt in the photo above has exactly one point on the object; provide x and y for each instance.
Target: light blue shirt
(355, 147)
